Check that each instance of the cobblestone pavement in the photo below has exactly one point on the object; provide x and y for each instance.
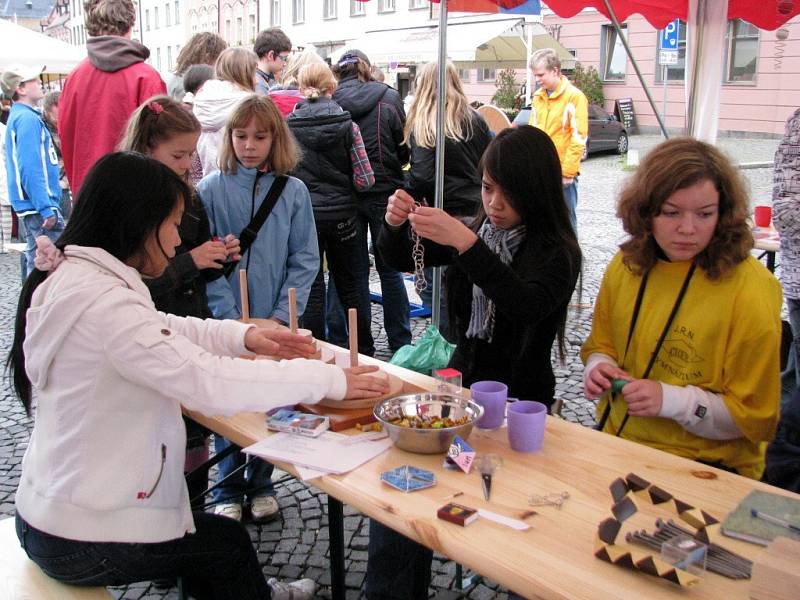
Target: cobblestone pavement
(297, 544)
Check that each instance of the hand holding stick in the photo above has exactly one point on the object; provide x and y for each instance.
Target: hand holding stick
(243, 295)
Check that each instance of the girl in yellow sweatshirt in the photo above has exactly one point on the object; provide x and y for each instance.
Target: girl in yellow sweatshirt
(687, 317)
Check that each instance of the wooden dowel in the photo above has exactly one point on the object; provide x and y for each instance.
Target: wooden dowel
(352, 324)
(244, 295)
(293, 310)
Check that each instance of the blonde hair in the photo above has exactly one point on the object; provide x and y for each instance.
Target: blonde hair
(238, 66)
(283, 154)
(109, 17)
(421, 122)
(155, 122)
(316, 80)
(297, 61)
(674, 165)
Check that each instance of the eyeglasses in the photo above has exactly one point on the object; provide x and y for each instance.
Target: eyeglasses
(283, 57)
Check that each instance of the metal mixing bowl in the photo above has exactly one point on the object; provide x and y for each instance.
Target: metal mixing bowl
(427, 441)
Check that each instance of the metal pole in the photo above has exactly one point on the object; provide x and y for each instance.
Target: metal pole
(664, 72)
(529, 51)
(613, 16)
(440, 139)
(697, 51)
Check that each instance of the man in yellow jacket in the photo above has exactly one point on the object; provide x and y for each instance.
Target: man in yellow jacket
(560, 110)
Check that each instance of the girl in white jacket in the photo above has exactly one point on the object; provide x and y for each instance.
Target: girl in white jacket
(102, 499)
(235, 72)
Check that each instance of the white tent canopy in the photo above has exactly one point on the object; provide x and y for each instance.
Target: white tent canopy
(23, 46)
(496, 43)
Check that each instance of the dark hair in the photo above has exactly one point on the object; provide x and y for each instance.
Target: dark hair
(196, 76)
(674, 165)
(353, 63)
(524, 163)
(122, 202)
(272, 39)
(202, 48)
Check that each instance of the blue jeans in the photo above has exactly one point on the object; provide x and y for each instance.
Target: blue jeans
(426, 296)
(256, 482)
(397, 567)
(216, 562)
(396, 310)
(340, 241)
(790, 378)
(34, 228)
(571, 198)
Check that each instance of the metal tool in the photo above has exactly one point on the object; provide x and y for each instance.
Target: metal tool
(552, 499)
(487, 465)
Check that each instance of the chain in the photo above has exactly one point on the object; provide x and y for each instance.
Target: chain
(418, 256)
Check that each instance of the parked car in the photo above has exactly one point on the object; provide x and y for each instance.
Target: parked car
(605, 130)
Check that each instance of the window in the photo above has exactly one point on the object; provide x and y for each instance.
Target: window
(385, 6)
(486, 75)
(613, 58)
(298, 11)
(177, 12)
(676, 72)
(275, 17)
(158, 59)
(253, 31)
(463, 75)
(328, 9)
(239, 30)
(228, 31)
(357, 8)
(412, 4)
(214, 27)
(742, 52)
(147, 19)
(166, 16)
(155, 18)
(169, 57)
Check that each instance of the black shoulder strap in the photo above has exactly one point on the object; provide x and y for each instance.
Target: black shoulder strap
(249, 233)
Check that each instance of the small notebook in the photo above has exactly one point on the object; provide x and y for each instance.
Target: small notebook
(740, 523)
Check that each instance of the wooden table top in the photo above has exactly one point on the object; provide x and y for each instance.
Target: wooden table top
(555, 558)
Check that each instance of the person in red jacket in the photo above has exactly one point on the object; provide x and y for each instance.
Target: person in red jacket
(102, 92)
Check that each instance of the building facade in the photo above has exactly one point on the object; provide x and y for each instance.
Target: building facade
(162, 28)
(760, 81)
(56, 24)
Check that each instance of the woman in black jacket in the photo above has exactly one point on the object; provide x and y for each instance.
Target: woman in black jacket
(511, 277)
(334, 165)
(378, 111)
(466, 138)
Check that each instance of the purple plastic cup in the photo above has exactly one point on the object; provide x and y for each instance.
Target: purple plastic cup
(526, 422)
(491, 395)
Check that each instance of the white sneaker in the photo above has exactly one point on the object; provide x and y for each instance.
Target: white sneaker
(302, 589)
(264, 508)
(232, 510)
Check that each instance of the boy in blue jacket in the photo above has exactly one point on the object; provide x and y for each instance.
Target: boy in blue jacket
(31, 161)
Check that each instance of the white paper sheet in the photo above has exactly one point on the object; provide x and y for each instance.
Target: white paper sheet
(324, 453)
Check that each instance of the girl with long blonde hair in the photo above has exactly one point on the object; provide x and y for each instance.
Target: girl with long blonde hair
(466, 138)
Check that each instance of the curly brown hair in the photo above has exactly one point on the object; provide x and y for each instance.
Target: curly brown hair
(109, 17)
(202, 49)
(675, 165)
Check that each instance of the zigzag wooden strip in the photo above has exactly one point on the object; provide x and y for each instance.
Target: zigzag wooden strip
(625, 508)
(618, 489)
(630, 558)
(696, 517)
(608, 530)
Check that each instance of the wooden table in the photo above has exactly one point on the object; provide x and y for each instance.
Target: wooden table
(555, 558)
(768, 240)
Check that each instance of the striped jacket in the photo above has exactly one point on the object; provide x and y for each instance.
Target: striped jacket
(786, 205)
(31, 163)
(564, 116)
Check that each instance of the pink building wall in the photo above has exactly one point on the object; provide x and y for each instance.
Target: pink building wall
(761, 106)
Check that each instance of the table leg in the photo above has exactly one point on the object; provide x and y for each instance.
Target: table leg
(336, 530)
(771, 261)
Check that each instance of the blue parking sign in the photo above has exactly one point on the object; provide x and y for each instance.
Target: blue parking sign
(668, 38)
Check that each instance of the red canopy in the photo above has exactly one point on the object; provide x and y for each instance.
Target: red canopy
(765, 14)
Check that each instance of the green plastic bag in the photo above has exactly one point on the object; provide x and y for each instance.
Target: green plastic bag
(431, 352)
